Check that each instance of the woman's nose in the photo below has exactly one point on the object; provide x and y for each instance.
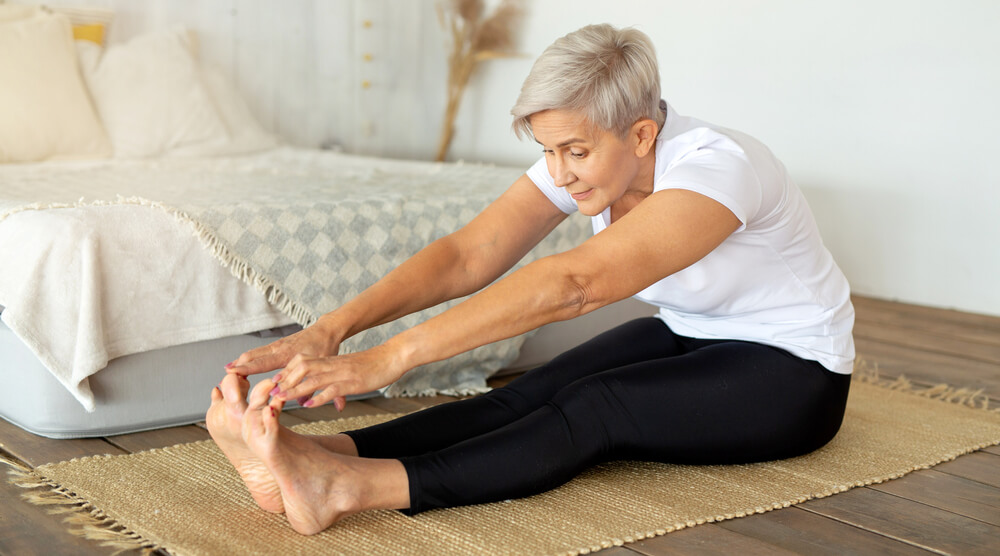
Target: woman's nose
(562, 176)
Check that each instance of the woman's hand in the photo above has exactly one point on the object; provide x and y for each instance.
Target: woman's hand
(318, 340)
(314, 381)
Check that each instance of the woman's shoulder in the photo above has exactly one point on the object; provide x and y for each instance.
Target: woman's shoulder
(684, 137)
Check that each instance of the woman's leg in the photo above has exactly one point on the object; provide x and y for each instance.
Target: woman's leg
(723, 402)
(441, 426)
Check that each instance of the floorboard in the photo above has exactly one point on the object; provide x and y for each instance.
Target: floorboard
(953, 508)
(37, 450)
(892, 361)
(708, 540)
(943, 491)
(911, 339)
(803, 532)
(948, 323)
(908, 521)
(982, 466)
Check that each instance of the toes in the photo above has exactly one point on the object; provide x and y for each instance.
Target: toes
(253, 426)
(216, 395)
(269, 420)
(233, 392)
(244, 386)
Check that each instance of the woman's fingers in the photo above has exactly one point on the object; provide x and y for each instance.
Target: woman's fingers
(259, 360)
(319, 379)
(312, 341)
(305, 387)
(328, 394)
(296, 370)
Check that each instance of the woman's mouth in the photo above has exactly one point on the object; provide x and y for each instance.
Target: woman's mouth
(583, 196)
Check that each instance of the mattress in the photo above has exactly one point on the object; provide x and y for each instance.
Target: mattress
(171, 386)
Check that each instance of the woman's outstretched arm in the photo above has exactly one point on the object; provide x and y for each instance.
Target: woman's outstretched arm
(456, 265)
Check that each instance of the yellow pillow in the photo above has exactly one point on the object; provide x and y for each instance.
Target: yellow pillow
(93, 32)
(45, 110)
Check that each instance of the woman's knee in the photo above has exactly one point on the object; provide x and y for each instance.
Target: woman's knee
(599, 414)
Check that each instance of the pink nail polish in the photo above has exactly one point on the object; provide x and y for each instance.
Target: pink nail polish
(274, 391)
(309, 403)
(273, 412)
(277, 378)
(230, 365)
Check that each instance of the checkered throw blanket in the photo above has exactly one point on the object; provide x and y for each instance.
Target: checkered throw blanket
(308, 229)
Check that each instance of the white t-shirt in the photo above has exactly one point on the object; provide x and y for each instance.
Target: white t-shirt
(772, 281)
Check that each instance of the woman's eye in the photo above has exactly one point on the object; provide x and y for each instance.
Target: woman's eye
(577, 154)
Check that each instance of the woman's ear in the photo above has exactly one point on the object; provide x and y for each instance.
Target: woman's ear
(644, 136)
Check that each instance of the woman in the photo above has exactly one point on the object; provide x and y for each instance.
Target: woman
(749, 358)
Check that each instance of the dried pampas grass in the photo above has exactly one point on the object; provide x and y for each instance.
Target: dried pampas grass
(475, 37)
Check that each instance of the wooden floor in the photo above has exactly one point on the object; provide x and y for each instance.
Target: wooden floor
(951, 509)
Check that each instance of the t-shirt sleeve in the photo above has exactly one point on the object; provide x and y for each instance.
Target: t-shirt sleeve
(721, 172)
(539, 175)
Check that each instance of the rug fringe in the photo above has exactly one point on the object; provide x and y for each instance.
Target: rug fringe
(976, 399)
(84, 519)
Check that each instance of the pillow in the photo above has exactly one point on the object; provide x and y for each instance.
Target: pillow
(149, 94)
(15, 11)
(45, 113)
(245, 134)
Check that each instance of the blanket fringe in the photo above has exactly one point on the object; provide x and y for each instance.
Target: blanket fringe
(83, 518)
(393, 392)
(236, 265)
(976, 399)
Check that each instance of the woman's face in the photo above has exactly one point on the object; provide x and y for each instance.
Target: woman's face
(595, 166)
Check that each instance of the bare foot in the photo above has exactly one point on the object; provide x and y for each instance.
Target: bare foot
(320, 487)
(225, 422)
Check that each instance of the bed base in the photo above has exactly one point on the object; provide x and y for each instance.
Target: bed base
(172, 386)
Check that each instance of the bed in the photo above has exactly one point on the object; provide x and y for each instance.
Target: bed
(151, 231)
(121, 310)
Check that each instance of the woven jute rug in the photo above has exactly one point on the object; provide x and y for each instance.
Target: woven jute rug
(187, 499)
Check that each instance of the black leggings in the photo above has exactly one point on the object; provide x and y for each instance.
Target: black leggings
(638, 392)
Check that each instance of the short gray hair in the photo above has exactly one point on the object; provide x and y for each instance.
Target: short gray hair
(608, 74)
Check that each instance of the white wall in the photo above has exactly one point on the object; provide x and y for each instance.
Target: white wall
(884, 111)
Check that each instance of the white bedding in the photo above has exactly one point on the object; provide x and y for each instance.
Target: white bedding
(99, 261)
(77, 294)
